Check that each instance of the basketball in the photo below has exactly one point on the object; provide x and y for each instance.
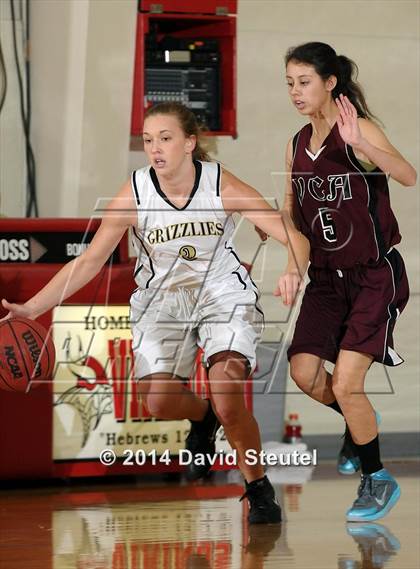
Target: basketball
(27, 354)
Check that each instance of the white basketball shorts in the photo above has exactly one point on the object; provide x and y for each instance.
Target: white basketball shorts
(169, 325)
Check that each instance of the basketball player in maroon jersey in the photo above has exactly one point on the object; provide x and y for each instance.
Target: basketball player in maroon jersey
(337, 194)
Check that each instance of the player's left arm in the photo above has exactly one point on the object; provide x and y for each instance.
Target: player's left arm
(368, 140)
(377, 148)
(239, 197)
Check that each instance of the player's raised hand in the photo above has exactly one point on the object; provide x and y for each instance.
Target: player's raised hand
(348, 125)
(15, 310)
(290, 283)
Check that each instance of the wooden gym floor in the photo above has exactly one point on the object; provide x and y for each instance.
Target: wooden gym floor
(149, 523)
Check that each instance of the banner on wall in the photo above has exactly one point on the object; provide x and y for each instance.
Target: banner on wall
(97, 403)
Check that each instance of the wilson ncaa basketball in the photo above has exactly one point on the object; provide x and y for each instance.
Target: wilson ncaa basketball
(27, 354)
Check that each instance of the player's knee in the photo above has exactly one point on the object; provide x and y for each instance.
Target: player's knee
(342, 387)
(301, 376)
(229, 413)
(230, 364)
(143, 387)
(160, 406)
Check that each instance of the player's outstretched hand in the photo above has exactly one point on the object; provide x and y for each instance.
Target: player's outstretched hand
(347, 122)
(263, 235)
(15, 310)
(288, 286)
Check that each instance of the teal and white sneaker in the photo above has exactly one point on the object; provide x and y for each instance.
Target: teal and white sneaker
(376, 543)
(376, 495)
(348, 461)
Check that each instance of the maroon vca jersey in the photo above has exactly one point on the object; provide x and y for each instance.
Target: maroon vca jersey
(343, 209)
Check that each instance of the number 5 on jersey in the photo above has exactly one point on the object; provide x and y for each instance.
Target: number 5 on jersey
(328, 226)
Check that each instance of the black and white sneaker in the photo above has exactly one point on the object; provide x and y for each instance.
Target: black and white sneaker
(201, 440)
(263, 506)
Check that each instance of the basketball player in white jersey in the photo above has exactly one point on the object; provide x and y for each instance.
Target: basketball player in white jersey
(192, 290)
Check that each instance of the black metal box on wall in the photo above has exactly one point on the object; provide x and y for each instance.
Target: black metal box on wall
(186, 52)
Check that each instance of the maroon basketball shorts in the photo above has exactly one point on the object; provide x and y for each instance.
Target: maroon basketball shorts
(352, 309)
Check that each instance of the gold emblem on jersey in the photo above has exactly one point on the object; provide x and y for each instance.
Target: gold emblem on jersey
(188, 252)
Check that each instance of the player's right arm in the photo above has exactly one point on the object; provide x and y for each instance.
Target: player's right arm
(120, 214)
(298, 257)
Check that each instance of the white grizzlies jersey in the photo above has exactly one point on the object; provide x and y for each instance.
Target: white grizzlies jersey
(182, 246)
